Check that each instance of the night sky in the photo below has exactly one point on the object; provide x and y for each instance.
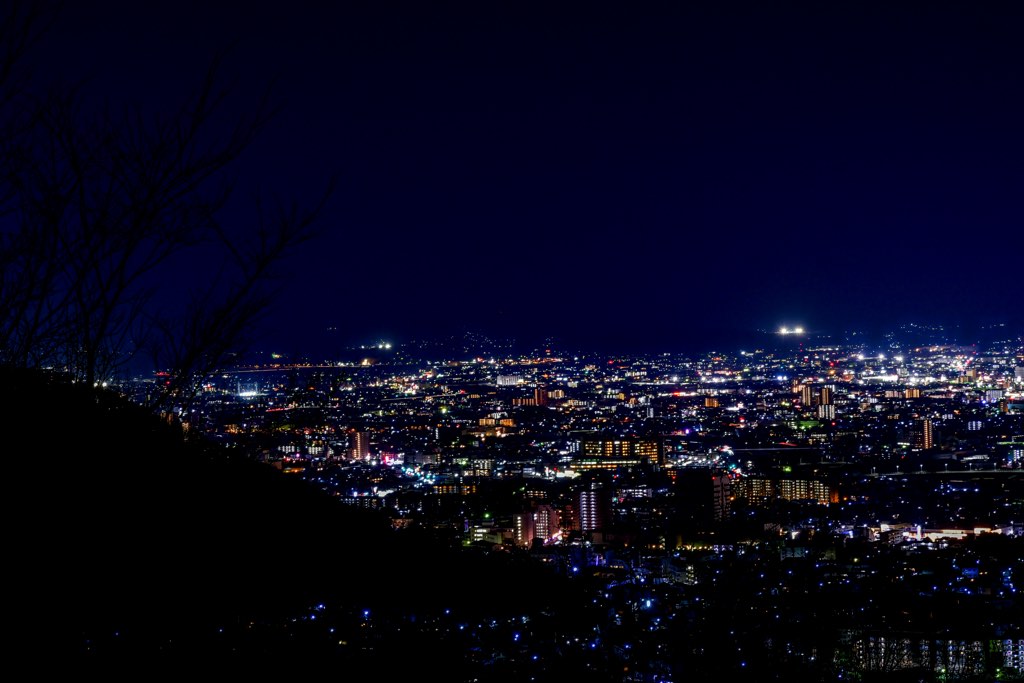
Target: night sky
(649, 175)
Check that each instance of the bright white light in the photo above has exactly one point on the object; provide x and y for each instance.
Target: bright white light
(798, 330)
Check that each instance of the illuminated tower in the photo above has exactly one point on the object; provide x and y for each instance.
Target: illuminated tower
(546, 522)
(359, 443)
(525, 529)
(826, 410)
(594, 508)
(923, 437)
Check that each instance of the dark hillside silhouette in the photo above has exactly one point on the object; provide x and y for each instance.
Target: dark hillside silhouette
(130, 540)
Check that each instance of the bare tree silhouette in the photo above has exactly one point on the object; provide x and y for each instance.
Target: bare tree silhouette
(93, 204)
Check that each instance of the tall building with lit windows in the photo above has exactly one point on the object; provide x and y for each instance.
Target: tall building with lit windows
(923, 435)
(594, 508)
(359, 445)
(546, 522)
(826, 409)
(525, 529)
(541, 522)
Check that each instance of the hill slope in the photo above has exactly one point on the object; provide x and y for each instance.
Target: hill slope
(129, 540)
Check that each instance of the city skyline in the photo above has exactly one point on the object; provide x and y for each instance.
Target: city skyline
(505, 342)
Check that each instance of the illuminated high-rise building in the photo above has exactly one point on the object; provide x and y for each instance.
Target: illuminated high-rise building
(546, 523)
(594, 508)
(359, 445)
(524, 528)
(923, 436)
(569, 517)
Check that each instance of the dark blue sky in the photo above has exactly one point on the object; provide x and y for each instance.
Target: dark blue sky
(643, 175)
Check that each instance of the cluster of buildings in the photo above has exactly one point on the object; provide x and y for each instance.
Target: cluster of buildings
(831, 472)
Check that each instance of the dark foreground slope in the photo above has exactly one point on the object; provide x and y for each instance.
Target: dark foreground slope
(127, 541)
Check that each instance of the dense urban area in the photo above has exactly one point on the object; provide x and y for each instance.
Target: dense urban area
(812, 508)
